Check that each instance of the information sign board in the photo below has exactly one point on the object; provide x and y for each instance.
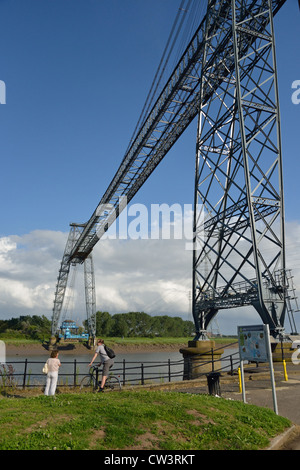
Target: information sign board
(254, 346)
(253, 343)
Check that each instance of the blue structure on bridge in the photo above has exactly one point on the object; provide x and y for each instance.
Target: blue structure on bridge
(70, 331)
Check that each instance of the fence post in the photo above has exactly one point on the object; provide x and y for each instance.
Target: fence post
(25, 372)
(169, 369)
(97, 378)
(231, 365)
(212, 360)
(142, 371)
(190, 371)
(75, 372)
(124, 372)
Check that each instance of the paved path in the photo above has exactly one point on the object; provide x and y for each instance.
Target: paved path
(259, 392)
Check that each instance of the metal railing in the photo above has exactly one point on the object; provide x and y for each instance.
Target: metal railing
(28, 373)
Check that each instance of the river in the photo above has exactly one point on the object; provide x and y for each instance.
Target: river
(135, 367)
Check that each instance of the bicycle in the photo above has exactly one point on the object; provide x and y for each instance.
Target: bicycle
(90, 383)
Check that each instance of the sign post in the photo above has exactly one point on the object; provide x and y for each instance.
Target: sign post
(254, 346)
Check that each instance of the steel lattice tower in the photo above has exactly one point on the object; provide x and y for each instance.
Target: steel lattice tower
(239, 256)
(227, 78)
(62, 281)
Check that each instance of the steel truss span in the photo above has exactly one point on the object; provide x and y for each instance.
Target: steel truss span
(239, 256)
(227, 78)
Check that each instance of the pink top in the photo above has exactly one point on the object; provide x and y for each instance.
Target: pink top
(53, 364)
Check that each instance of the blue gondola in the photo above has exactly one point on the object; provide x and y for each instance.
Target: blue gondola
(69, 331)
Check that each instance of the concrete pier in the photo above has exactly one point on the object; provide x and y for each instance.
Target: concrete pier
(198, 357)
(283, 350)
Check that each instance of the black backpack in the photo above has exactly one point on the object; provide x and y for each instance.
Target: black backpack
(109, 352)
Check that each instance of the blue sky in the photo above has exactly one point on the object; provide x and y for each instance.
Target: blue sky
(77, 73)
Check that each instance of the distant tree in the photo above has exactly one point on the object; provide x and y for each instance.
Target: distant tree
(143, 324)
(35, 327)
(189, 328)
(140, 324)
(104, 324)
(120, 326)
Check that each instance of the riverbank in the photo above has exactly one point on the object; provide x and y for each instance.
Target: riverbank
(120, 346)
(38, 349)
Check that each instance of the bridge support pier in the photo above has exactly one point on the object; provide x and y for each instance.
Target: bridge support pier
(200, 357)
(52, 342)
(91, 342)
(282, 350)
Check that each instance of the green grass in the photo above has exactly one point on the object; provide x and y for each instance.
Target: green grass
(135, 420)
(146, 341)
(18, 341)
(161, 341)
(122, 341)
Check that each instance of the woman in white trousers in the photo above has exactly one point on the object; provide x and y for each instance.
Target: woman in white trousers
(52, 375)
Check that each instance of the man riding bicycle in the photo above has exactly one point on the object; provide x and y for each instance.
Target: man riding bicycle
(105, 360)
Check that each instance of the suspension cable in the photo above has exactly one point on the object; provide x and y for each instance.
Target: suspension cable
(174, 34)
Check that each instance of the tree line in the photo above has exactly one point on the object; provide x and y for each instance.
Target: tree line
(131, 324)
(32, 327)
(140, 324)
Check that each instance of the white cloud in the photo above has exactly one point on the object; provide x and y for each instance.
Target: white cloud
(6, 245)
(154, 276)
(28, 270)
(149, 275)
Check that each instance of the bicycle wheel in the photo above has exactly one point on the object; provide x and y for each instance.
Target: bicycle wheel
(113, 383)
(87, 384)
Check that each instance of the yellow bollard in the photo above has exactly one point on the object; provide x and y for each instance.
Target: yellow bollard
(240, 380)
(285, 372)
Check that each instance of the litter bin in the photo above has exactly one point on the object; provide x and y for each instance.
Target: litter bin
(213, 382)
